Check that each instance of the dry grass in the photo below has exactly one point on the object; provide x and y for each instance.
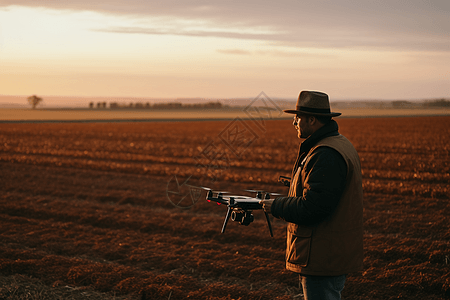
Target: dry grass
(20, 287)
(106, 114)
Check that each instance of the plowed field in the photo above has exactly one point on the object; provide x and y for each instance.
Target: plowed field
(93, 210)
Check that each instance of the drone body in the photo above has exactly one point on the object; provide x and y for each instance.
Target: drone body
(240, 207)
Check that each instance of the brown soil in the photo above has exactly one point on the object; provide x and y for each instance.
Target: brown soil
(85, 211)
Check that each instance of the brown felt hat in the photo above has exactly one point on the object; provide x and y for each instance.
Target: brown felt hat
(312, 103)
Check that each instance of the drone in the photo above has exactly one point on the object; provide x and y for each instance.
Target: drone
(240, 207)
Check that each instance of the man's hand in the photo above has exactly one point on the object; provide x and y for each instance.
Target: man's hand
(267, 205)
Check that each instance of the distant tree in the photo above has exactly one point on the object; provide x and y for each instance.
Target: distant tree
(34, 101)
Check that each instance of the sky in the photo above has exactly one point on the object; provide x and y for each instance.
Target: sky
(364, 49)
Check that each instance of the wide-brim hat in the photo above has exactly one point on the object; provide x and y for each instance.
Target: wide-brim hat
(313, 103)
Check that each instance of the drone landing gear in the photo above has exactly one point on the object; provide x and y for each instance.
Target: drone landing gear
(244, 217)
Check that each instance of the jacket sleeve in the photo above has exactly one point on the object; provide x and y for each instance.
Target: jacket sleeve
(324, 184)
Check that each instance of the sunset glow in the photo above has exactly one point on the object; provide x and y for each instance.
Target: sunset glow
(218, 51)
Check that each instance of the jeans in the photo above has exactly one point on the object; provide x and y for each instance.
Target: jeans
(322, 287)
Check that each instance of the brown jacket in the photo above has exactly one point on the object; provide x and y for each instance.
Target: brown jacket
(334, 246)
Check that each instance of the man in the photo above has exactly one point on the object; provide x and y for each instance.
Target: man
(324, 205)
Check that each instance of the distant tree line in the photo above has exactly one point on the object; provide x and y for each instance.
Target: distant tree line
(99, 105)
(437, 103)
(426, 104)
(402, 104)
(147, 105)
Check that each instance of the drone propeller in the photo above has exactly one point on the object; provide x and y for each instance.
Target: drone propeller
(210, 189)
(261, 194)
(261, 191)
(205, 188)
(238, 197)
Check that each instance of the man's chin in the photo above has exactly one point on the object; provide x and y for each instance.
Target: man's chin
(302, 136)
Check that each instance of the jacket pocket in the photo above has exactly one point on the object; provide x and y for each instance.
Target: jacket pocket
(298, 245)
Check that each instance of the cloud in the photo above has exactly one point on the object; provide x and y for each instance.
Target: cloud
(190, 32)
(411, 25)
(276, 53)
(234, 51)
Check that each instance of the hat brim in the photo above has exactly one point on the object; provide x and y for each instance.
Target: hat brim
(294, 111)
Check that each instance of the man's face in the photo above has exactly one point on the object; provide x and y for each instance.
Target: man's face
(302, 124)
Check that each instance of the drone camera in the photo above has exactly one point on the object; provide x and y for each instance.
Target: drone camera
(243, 217)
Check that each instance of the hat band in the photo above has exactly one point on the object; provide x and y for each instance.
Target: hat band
(314, 110)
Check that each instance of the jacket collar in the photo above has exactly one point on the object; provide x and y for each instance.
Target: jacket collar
(329, 129)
